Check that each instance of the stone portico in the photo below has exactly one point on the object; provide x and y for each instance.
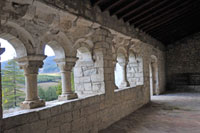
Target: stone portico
(90, 45)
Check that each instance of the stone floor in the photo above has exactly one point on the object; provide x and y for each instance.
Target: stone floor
(168, 113)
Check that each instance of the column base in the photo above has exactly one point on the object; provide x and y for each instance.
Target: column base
(123, 84)
(32, 104)
(67, 96)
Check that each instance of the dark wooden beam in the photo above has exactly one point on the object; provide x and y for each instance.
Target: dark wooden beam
(174, 21)
(177, 29)
(183, 30)
(165, 15)
(163, 23)
(108, 7)
(170, 18)
(136, 9)
(173, 3)
(178, 25)
(125, 7)
(146, 11)
(167, 25)
(96, 2)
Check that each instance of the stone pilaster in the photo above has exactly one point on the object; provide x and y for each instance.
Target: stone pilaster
(124, 82)
(31, 65)
(66, 65)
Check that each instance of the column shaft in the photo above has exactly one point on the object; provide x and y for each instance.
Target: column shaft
(31, 65)
(31, 87)
(124, 82)
(66, 65)
(66, 82)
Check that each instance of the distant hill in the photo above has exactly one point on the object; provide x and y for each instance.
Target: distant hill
(49, 66)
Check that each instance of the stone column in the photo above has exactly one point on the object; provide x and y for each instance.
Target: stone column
(31, 65)
(124, 82)
(66, 65)
(114, 67)
(2, 50)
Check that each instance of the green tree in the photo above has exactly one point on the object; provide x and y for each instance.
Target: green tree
(12, 76)
(41, 92)
(59, 89)
(51, 94)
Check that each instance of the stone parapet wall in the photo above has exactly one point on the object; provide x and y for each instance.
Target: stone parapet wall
(81, 115)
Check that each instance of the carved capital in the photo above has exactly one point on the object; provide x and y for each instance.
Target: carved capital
(66, 64)
(122, 64)
(31, 64)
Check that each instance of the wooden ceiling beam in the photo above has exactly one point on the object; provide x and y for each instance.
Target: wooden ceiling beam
(136, 9)
(164, 26)
(146, 11)
(179, 25)
(108, 7)
(173, 3)
(96, 2)
(125, 7)
(173, 21)
(166, 15)
(167, 25)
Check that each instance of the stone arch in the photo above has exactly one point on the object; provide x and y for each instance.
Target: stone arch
(132, 68)
(19, 37)
(153, 71)
(135, 68)
(88, 73)
(59, 42)
(16, 43)
(132, 55)
(57, 48)
(83, 48)
(82, 42)
(121, 54)
(120, 72)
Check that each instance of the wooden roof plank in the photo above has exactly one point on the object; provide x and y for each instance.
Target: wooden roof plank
(146, 11)
(180, 13)
(136, 9)
(112, 5)
(125, 7)
(173, 3)
(170, 12)
(96, 2)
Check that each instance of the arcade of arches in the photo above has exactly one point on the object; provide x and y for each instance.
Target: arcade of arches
(116, 67)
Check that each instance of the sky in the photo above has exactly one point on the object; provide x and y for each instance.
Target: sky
(10, 51)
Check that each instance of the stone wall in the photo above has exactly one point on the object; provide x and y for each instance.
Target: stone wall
(77, 116)
(88, 76)
(89, 114)
(183, 61)
(28, 27)
(135, 72)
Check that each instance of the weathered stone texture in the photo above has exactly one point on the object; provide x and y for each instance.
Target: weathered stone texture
(83, 8)
(183, 64)
(94, 37)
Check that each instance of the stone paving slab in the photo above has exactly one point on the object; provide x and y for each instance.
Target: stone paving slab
(168, 113)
